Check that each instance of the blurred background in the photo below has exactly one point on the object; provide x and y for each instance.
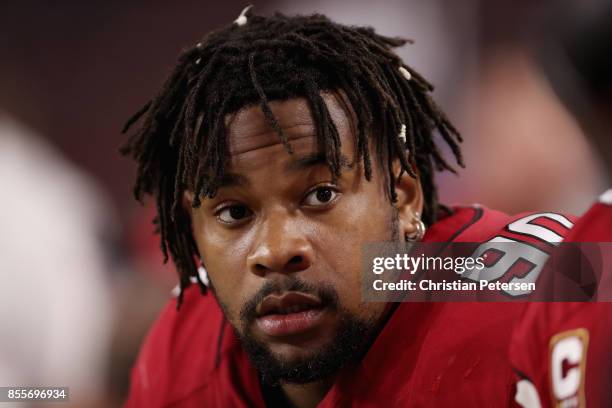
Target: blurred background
(82, 278)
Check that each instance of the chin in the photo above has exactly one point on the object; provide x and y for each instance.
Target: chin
(310, 356)
(287, 353)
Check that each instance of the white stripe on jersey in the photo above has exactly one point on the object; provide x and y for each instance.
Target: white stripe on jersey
(606, 198)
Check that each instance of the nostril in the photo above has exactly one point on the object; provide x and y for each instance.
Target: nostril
(296, 260)
(296, 264)
(280, 264)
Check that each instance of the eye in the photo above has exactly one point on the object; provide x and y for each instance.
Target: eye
(233, 214)
(320, 196)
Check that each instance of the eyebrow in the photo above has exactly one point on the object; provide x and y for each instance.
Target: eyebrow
(301, 163)
(232, 179)
(313, 159)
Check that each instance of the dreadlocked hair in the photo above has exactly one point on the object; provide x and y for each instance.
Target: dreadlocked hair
(182, 145)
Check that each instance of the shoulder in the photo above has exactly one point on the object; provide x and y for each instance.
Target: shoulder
(560, 353)
(476, 223)
(559, 349)
(437, 354)
(178, 354)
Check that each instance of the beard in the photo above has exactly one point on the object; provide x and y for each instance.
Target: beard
(352, 339)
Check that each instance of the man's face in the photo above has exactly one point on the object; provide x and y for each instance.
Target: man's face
(282, 243)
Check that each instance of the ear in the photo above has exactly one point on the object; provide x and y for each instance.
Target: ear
(409, 200)
(187, 202)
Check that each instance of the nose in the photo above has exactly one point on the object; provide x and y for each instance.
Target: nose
(281, 246)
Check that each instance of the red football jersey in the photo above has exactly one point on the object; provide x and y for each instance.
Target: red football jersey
(428, 354)
(561, 351)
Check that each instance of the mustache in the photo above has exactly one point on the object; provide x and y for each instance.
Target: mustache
(324, 291)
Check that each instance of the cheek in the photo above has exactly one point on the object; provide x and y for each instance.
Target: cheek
(225, 263)
(359, 221)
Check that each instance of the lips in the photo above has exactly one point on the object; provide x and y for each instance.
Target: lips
(292, 302)
(289, 314)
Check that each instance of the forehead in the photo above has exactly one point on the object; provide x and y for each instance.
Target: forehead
(249, 130)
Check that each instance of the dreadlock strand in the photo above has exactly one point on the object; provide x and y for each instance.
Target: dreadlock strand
(135, 117)
(399, 84)
(264, 104)
(326, 129)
